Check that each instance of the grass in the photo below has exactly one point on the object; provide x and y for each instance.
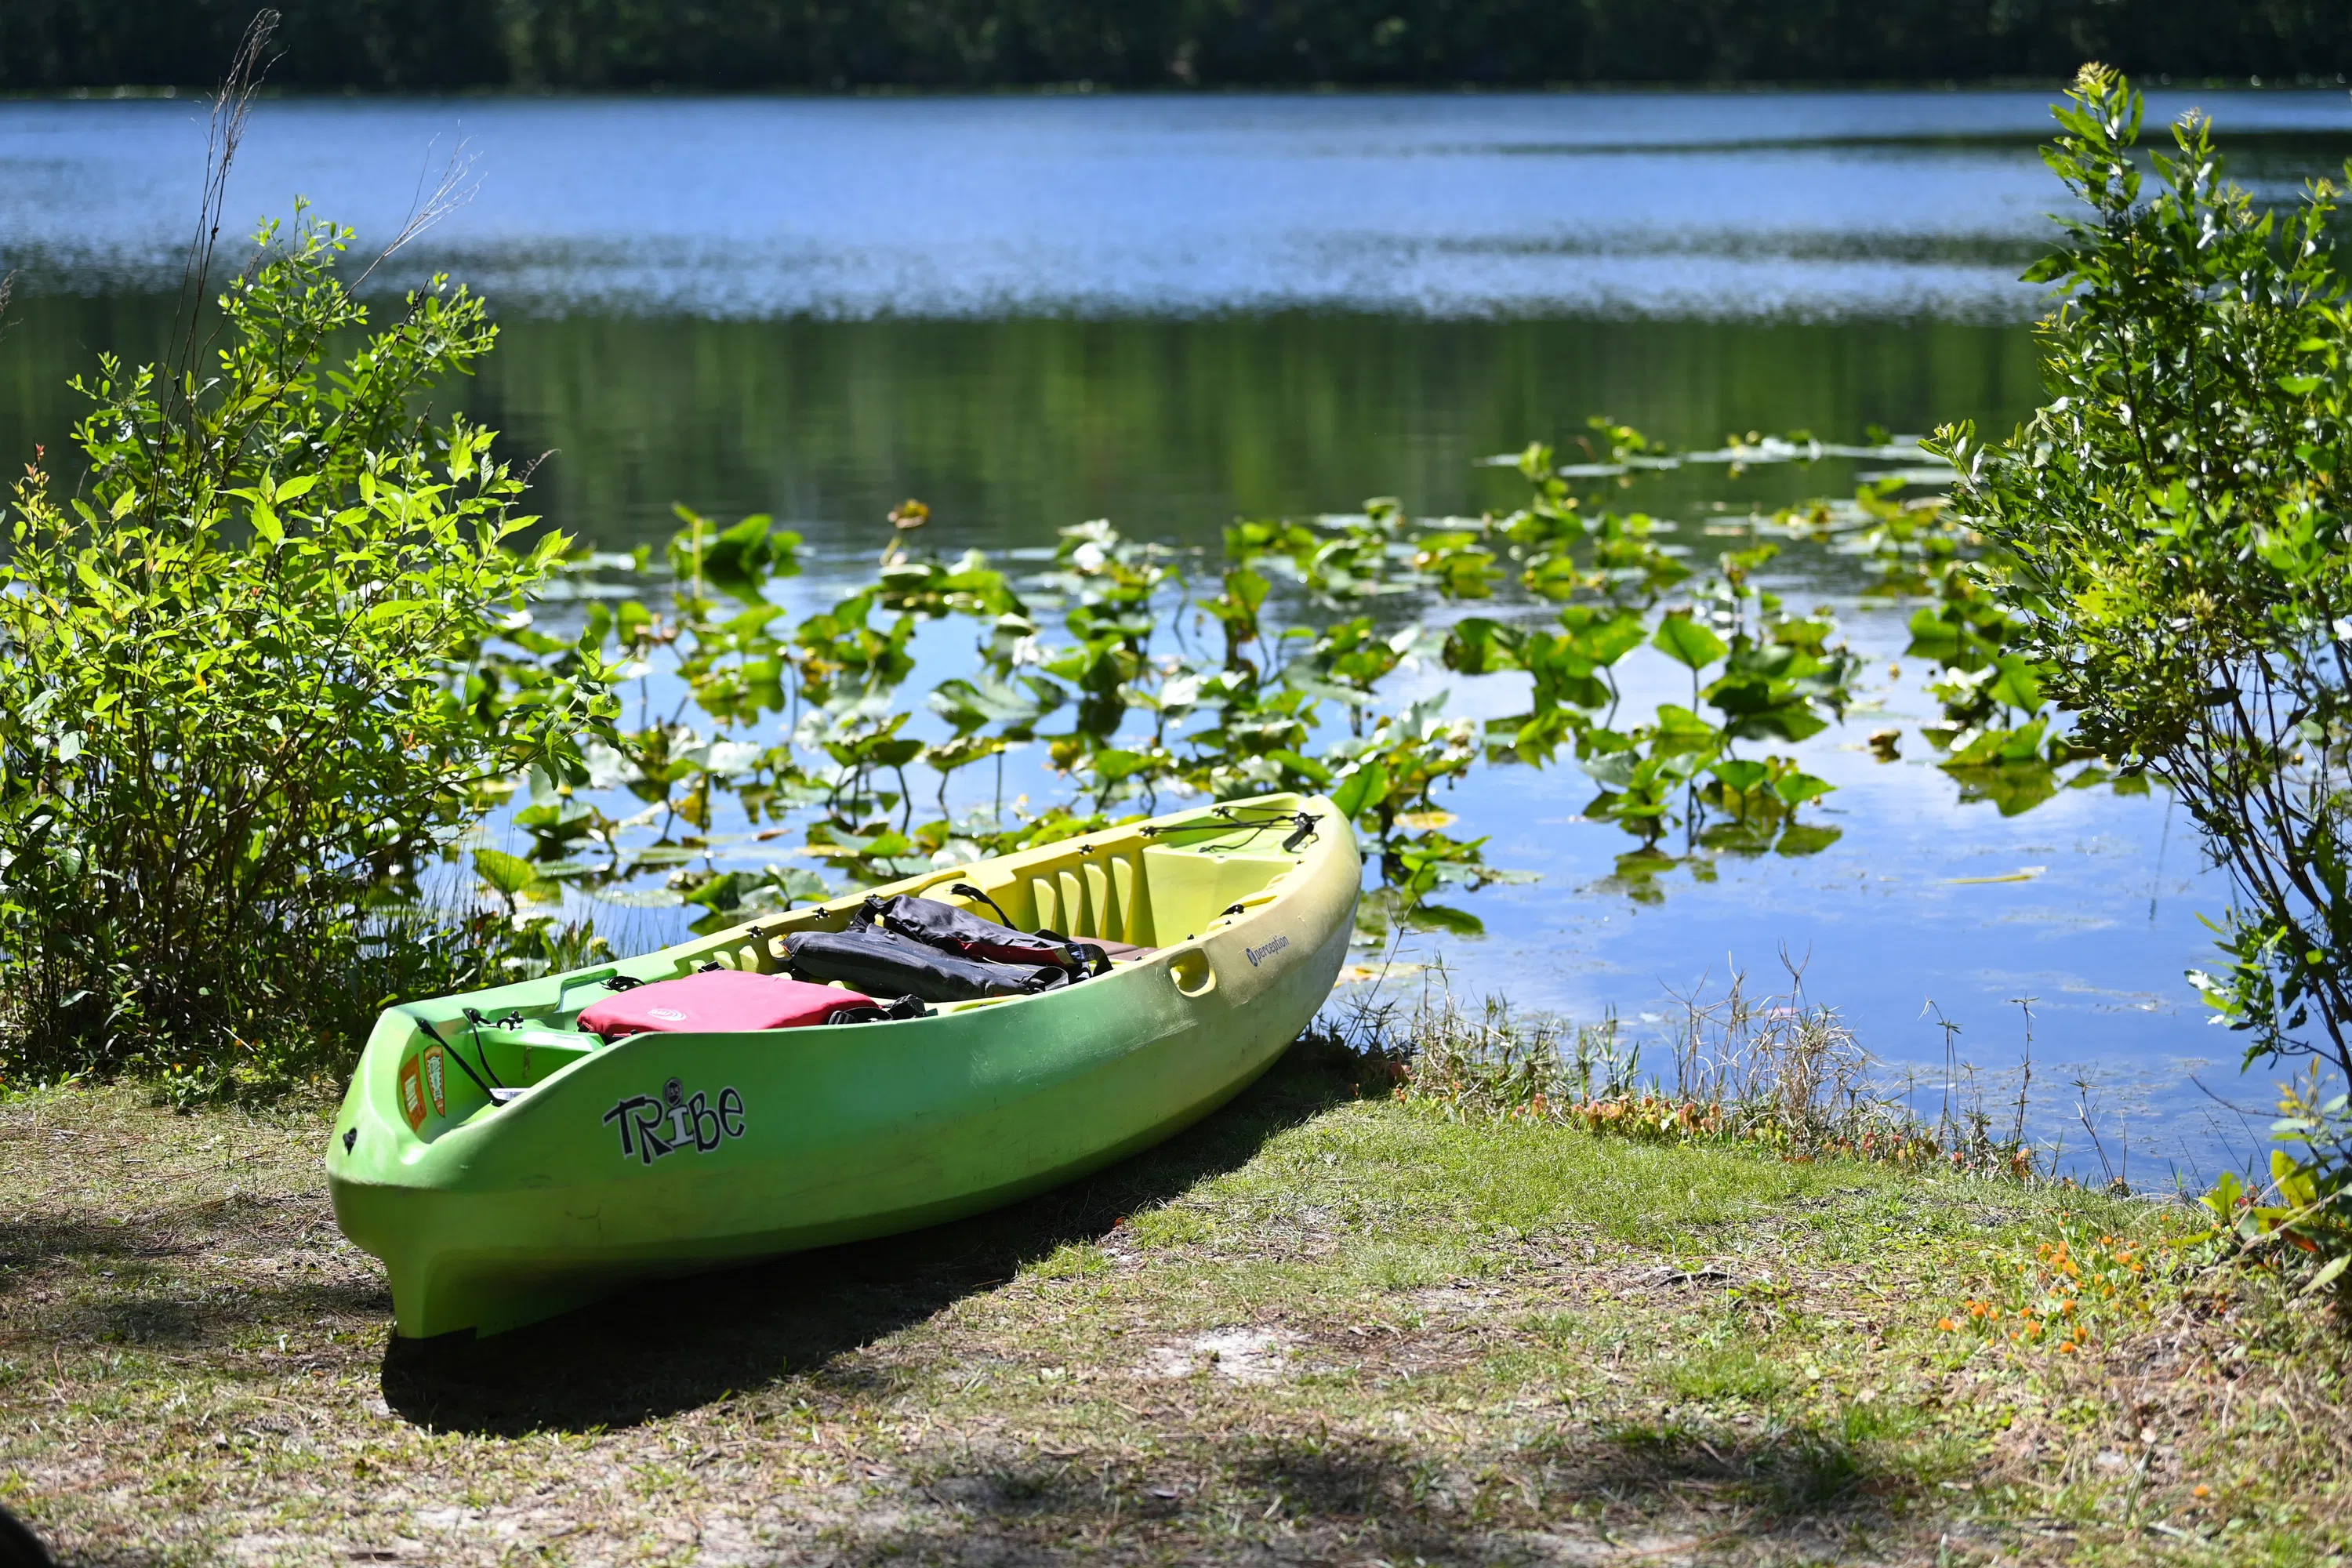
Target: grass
(1325, 1325)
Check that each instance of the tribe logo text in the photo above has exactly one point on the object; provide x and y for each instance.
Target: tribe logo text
(651, 1127)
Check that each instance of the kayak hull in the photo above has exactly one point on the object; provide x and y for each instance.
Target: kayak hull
(664, 1154)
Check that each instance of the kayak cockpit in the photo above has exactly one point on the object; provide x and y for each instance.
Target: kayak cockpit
(1142, 891)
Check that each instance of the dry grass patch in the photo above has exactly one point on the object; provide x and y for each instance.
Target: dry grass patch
(1317, 1328)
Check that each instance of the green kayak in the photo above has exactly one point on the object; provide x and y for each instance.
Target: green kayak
(499, 1201)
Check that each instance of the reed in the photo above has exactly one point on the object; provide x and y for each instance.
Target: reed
(1773, 1070)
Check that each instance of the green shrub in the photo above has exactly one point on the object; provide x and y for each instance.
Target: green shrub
(237, 707)
(2175, 541)
(2174, 532)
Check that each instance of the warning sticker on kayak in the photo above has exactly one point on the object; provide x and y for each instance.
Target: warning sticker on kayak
(411, 1094)
(651, 1127)
(436, 1079)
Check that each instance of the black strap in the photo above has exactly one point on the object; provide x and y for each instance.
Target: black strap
(1224, 820)
(1086, 951)
(622, 982)
(451, 1051)
(475, 1017)
(904, 1007)
(966, 890)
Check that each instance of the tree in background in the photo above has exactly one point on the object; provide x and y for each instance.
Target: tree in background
(829, 45)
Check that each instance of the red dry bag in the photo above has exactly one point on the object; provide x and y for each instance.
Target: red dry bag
(718, 1002)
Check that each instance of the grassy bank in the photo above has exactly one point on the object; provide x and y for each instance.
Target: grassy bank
(1320, 1326)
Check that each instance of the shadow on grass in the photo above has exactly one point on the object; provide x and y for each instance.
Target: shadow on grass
(36, 1241)
(1255, 1497)
(1232, 1499)
(172, 1277)
(1807, 1471)
(29, 1245)
(662, 1348)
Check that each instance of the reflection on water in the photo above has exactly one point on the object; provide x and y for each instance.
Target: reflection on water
(1011, 428)
(1169, 312)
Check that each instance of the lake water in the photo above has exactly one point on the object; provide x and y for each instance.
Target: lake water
(1030, 311)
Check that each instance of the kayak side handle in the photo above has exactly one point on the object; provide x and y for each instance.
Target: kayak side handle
(1193, 974)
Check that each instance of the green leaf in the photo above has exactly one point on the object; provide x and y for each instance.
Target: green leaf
(1740, 775)
(1933, 636)
(1602, 636)
(1361, 791)
(1305, 767)
(720, 893)
(1801, 838)
(1791, 721)
(1796, 788)
(1686, 642)
(1681, 733)
(1611, 770)
(1112, 764)
(751, 547)
(1444, 917)
(1477, 646)
(966, 702)
(508, 874)
(2020, 685)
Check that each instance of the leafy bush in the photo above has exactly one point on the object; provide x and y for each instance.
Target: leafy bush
(2175, 538)
(2305, 1206)
(2175, 549)
(234, 709)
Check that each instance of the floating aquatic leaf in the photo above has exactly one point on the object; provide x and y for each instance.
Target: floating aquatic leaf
(1807, 838)
(508, 874)
(1796, 788)
(1444, 917)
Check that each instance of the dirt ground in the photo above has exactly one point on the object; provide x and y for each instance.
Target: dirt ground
(1321, 1327)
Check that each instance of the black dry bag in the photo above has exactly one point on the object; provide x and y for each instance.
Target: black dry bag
(951, 930)
(883, 963)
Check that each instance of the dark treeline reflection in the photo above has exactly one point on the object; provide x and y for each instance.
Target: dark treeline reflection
(1011, 429)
